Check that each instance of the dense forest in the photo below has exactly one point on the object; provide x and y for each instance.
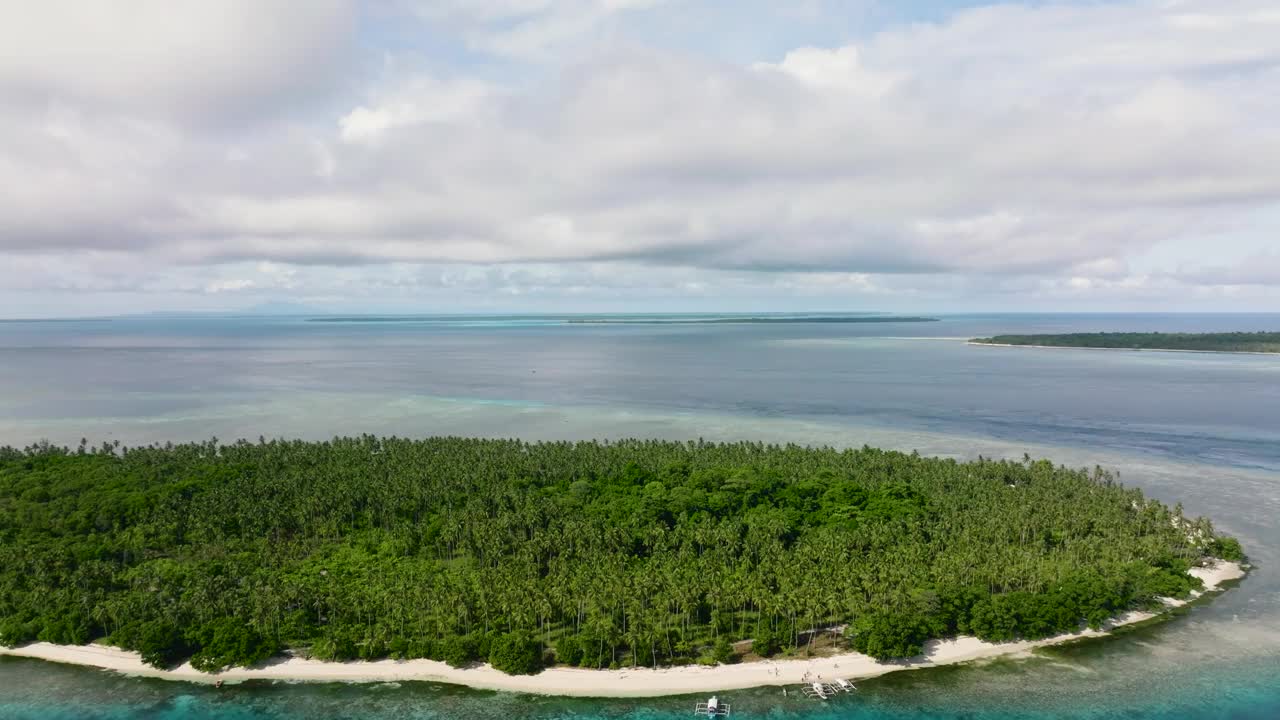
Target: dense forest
(1262, 342)
(590, 554)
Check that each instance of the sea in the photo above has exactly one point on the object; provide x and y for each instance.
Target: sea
(1200, 429)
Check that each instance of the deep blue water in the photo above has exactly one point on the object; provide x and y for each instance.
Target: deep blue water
(1201, 429)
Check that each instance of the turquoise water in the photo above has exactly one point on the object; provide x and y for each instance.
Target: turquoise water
(1054, 686)
(1200, 429)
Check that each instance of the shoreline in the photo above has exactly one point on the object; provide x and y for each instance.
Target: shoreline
(1120, 349)
(625, 683)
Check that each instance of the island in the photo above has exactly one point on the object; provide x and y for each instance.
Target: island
(753, 320)
(474, 560)
(635, 319)
(1232, 342)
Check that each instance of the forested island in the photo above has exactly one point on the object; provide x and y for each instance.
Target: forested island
(1245, 342)
(590, 554)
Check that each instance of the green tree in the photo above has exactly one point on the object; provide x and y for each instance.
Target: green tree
(569, 650)
(765, 643)
(161, 644)
(460, 651)
(228, 641)
(516, 654)
(886, 635)
(722, 650)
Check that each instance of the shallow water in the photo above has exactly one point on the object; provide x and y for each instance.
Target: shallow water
(1200, 429)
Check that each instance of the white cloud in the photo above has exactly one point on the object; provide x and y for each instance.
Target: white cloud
(193, 59)
(837, 68)
(419, 102)
(529, 29)
(1056, 142)
(230, 285)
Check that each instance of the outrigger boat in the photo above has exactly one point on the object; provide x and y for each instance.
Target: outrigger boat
(822, 691)
(712, 708)
(816, 690)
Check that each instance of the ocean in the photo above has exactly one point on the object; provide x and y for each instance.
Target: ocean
(1202, 429)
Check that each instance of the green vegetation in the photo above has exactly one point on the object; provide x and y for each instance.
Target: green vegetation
(610, 554)
(516, 654)
(1259, 342)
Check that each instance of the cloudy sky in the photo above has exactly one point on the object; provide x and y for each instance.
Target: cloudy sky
(596, 155)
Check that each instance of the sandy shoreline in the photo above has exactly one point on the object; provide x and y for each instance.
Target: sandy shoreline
(1119, 349)
(641, 682)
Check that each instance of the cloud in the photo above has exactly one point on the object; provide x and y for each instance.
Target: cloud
(200, 62)
(1055, 142)
(1262, 269)
(804, 164)
(418, 102)
(832, 69)
(528, 29)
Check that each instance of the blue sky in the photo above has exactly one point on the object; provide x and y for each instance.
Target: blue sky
(597, 155)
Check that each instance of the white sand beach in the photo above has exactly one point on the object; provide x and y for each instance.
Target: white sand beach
(639, 682)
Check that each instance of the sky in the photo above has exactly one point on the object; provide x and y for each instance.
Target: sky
(639, 155)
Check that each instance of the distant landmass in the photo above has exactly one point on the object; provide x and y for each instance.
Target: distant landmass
(55, 320)
(751, 320)
(414, 318)
(1239, 342)
(631, 319)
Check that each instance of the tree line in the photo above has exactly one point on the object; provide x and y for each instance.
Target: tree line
(594, 554)
(1258, 342)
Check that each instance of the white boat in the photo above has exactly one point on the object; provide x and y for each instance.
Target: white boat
(845, 685)
(816, 690)
(712, 708)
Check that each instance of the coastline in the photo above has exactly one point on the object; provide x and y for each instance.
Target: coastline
(1118, 349)
(633, 682)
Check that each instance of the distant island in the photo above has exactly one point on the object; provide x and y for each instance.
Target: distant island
(631, 320)
(763, 319)
(1237, 342)
(590, 554)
